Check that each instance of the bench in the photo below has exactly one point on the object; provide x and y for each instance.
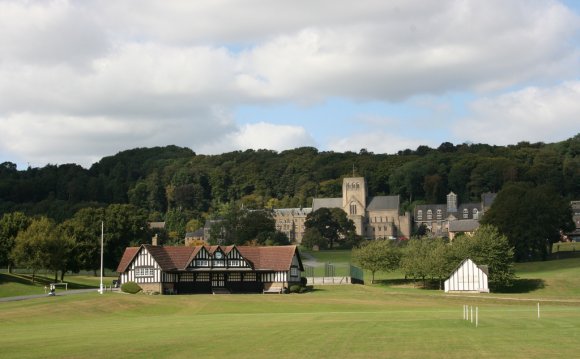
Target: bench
(273, 288)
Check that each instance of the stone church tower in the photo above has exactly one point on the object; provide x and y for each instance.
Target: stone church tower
(354, 200)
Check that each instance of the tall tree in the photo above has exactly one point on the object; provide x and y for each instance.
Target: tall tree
(32, 245)
(84, 229)
(416, 258)
(331, 223)
(377, 255)
(10, 225)
(531, 218)
(487, 246)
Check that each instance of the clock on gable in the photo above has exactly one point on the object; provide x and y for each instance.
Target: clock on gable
(218, 255)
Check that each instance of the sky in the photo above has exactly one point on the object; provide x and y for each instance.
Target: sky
(81, 80)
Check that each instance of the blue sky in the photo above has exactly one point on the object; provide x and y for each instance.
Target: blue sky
(80, 80)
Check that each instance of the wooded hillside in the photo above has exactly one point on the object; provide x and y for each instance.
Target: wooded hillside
(163, 180)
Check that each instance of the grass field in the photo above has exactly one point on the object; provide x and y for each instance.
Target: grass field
(381, 321)
(21, 284)
(353, 321)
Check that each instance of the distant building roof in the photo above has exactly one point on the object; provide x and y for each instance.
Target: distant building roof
(292, 211)
(383, 202)
(318, 203)
(463, 225)
(198, 233)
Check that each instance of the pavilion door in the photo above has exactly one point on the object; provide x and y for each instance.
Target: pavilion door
(218, 280)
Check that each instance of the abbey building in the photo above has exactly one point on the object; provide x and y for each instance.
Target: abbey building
(374, 217)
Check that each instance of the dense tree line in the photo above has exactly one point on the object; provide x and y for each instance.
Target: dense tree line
(175, 185)
(163, 178)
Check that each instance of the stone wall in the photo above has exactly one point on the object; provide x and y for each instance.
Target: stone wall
(150, 287)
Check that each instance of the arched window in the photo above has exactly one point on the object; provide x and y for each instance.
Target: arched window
(420, 215)
(465, 213)
(438, 214)
(475, 213)
(353, 208)
(429, 214)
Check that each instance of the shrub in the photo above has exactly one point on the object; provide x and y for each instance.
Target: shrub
(303, 281)
(131, 287)
(295, 288)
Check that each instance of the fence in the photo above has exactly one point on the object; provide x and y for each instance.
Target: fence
(334, 274)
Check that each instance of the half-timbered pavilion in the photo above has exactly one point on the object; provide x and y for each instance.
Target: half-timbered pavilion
(207, 269)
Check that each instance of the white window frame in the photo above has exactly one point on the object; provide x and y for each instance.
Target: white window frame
(144, 272)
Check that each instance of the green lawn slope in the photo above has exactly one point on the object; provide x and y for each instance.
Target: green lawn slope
(330, 322)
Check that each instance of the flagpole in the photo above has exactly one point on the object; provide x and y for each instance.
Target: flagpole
(102, 235)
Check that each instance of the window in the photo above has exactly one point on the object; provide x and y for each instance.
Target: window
(353, 208)
(249, 277)
(475, 213)
(465, 213)
(202, 263)
(234, 277)
(144, 272)
(438, 214)
(219, 263)
(234, 263)
(429, 214)
(420, 215)
(294, 272)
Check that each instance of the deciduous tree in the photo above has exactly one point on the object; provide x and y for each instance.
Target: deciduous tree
(377, 255)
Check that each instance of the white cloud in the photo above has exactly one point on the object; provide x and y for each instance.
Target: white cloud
(376, 141)
(532, 114)
(173, 72)
(84, 140)
(49, 33)
(260, 135)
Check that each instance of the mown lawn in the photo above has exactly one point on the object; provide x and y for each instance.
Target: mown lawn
(331, 322)
(21, 284)
(388, 320)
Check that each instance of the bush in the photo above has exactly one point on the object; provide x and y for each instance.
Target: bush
(295, 288)
(303, 281)
(131, 287)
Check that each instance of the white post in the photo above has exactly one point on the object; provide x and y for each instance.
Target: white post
(538, 310)
(102, 234)
(471, 314)
(476, 316)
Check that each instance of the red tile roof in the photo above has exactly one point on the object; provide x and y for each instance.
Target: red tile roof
(127, 258)
(276, 258)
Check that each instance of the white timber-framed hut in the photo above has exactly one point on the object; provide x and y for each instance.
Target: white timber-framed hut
(468, 277)
(210, 269)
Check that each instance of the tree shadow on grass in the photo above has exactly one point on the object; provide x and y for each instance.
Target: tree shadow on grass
(21, 279)
(39, 280)
(397, 282)
(522, 286)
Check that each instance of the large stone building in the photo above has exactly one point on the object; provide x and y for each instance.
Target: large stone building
(445, 220)
(374, 217)
(291, 222)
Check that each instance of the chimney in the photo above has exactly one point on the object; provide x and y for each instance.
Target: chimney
(154, 240)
